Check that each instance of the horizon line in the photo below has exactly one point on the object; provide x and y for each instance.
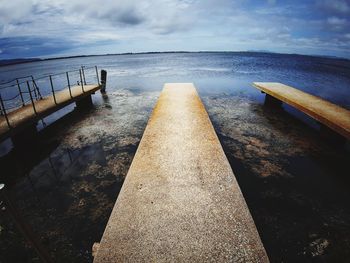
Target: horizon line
(34, 59)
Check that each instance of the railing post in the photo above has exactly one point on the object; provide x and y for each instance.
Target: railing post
(20, 92)
(31, 97)
(98, 78)
(52, 89)
(83, 73)
(81, 81)
(36, 96)
(37, 88)
(70, 92)
(5, 113)
(27, 231)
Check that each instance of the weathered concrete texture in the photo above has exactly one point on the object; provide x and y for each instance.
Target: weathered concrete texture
(24, 116)
(329, 114)
(180, 201)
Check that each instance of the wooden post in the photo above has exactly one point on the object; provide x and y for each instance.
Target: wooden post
(103, 80)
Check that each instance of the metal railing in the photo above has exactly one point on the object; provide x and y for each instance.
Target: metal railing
(24, 91)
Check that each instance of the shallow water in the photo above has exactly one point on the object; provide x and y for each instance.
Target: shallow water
(295, 184)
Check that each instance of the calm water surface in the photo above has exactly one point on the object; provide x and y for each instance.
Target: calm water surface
(296, 184)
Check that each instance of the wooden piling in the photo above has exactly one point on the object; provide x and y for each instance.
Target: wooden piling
(103, 80)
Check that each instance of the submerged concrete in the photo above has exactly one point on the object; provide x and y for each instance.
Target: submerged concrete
(180, 200)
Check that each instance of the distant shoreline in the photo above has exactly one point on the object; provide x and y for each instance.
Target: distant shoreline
(9, 62)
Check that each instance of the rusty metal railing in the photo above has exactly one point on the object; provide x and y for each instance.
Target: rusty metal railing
(24, 91)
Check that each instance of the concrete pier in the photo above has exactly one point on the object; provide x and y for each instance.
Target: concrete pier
(334, 120)
(180, 201)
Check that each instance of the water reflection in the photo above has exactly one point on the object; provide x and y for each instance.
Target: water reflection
(66, 199)
(66, 186)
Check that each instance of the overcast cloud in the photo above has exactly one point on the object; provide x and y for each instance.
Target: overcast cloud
(47, 28)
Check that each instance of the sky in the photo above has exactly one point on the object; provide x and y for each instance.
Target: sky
(52, 28)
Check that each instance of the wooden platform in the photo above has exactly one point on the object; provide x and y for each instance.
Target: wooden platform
(25, 116)
(180, 201)
(329, 114)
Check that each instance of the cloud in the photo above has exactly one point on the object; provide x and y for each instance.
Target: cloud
(15, 11)
(31, 46)
(336, 6)
(95, 37)
(54, 27)
(337, 24)
(114, 12)
(335, 21)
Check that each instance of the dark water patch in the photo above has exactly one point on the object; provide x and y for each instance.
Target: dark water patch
(67, 194)
(69, 210)
(22, 159)
(295, 184)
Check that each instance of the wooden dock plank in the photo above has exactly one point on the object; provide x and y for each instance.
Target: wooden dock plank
(180, 201)
(327, 113)
(26, 115)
